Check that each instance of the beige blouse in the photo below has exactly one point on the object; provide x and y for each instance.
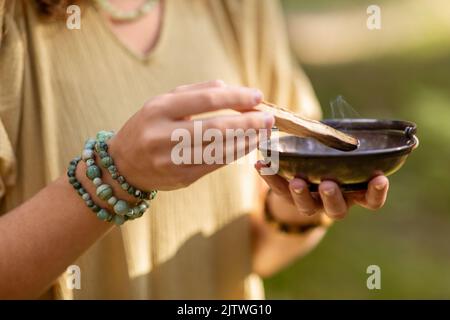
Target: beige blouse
(60, 86)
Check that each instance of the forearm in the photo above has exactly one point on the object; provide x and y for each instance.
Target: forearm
(273, 250)
(44, 235)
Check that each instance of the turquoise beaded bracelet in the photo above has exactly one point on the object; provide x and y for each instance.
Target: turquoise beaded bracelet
(104, 191)
(101, 213)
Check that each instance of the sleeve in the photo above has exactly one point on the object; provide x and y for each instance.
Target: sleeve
(255, 35)
(11, 72)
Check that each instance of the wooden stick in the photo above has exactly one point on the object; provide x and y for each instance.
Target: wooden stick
(297, 125)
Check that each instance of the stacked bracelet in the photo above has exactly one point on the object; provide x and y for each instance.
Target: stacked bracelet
(121, 209)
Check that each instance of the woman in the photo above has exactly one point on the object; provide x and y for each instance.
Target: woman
(204, 235)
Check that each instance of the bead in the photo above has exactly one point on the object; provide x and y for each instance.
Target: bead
(115, 175)
(72, 167)
(136, 211)
(71, 173)
(97, 182)
(73, 162)
(86, 196)
(72, 180)
(104, 136)
(106, 162)
(121, 179)
(140, 214)
(153, 194)
(125, 186)
(121, 207)
(137, 193)
(112, 169)
(81, 191)
(103, 214)
(90, 162)
(103, 154)
(76, 185)
(104, 191)
(89, 146)
(95, 208)
(112, 201)
(99, 146)
(90, 141)
(130, 212)
(143, 206)
(90, 203)
(87, 154)
(131, 190)
(118, 220)
(93, 172)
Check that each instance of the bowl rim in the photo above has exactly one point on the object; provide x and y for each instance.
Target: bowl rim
(409, 128)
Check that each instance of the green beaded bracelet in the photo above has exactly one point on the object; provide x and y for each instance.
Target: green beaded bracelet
(101, 213)
(107, 162)
(104, 191)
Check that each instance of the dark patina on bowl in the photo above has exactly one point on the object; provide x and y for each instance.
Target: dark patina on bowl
(384, 147)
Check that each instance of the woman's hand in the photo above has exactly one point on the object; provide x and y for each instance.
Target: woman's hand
(143, 147)
(293, 203)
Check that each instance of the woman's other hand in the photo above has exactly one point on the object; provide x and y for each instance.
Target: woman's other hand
(295, 204)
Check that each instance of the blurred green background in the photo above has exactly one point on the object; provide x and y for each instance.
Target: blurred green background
(401, 71)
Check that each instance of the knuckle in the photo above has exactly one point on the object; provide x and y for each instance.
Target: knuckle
(376, 206)
(209, 99)
(307, 211)
(179, 88)
(337, 214)
(219, 125)
(252, 122)
(155, 103)
(218, 83)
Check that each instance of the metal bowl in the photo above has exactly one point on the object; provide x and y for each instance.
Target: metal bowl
(384, 147)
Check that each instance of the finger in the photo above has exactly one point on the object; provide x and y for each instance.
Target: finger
(278, 184)
(333, 200)
(222, 128)
(216, 154)
(198, 86)
(302, 197)
(249, 120)
(377, 192)
(181, 105)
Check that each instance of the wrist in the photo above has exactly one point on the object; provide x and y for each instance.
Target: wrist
(284, 211)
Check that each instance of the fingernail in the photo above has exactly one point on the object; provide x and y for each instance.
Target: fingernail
(298, 190)
(257, 96)
(268, 120)
(328, 192)
(380, 186)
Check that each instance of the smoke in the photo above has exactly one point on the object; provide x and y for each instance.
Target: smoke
(341, 109)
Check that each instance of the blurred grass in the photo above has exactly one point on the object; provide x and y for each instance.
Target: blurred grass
(409, 238)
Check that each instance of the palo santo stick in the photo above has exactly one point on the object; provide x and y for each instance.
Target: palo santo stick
(295, 124)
